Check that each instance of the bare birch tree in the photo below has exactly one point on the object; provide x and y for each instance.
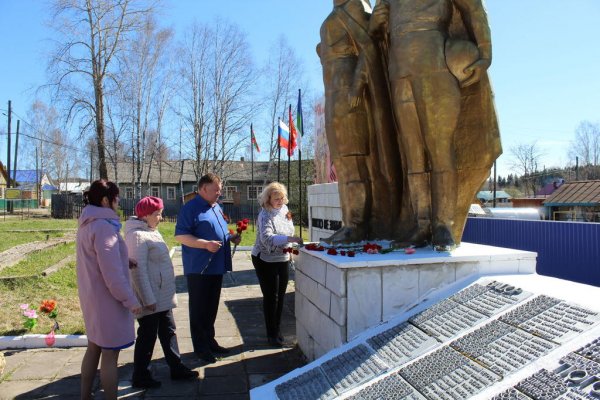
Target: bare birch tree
(140, 74)
(217, 81)
(586, 144)
(93, 34)
(525, 160)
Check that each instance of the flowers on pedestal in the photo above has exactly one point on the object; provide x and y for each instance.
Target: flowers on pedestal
(352, 250)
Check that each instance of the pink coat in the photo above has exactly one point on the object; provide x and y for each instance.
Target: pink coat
(105, 293)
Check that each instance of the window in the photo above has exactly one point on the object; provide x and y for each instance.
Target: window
(155, 191)
(129, 193)
(254, 192)
(171, 192)
(228, 192)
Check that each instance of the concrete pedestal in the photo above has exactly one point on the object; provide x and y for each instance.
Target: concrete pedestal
(338, 297)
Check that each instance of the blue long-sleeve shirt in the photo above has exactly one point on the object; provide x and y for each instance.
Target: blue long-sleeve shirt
(200, 219)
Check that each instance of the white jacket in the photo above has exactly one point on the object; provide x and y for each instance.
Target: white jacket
(271, 235)
(153, 279)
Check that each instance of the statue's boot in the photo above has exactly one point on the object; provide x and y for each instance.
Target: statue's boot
(355, 199)
(443, 205)
(418, 185)
(346, 235)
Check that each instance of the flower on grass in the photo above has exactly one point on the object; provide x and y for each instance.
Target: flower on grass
(30, 317)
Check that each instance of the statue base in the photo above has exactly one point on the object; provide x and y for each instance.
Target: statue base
(338, 297)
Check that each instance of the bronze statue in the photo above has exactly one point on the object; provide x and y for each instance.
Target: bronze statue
(437, 53)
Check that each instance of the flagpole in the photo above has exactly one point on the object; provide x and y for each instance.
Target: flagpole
(252, 173)
(300, 127)
(279, 153)
(289, 149)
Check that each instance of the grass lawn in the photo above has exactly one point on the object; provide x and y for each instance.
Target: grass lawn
(17, 231)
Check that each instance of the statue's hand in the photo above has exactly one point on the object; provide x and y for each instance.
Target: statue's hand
(379, 19)
(475, 71)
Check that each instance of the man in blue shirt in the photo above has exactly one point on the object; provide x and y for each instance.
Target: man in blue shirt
(202, 230)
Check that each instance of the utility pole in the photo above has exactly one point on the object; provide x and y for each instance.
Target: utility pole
(494, 184)
(9, 204)
(16, 151)
(8, 148)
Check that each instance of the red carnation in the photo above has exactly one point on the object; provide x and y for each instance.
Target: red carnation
(295, 251)
(351, 253)
(332, 252)
(47, 306)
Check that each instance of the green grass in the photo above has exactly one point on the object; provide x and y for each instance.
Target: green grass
(36, 262)
(14, 232)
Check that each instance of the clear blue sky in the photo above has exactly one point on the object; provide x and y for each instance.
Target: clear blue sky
(545, 70)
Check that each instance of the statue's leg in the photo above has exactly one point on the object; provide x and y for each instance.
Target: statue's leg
(438, 100)
(354, 188)
(412, 147)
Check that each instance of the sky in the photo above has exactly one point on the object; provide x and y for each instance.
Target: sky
(545, 70)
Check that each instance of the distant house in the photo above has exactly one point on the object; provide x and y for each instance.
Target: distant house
(575, 201)
(486, 197)
(3, 180)
(175, 181)
(74, 186)
(550, 188)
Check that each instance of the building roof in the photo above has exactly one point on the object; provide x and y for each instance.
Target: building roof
(172, 170)
(488, 195)
(24, 176)
(550, 188)
(578, 193)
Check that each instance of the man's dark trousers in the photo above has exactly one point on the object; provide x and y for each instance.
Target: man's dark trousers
(204, 294)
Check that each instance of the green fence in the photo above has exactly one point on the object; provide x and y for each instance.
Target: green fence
(18, 204)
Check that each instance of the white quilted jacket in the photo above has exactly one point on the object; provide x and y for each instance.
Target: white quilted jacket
(153, 279)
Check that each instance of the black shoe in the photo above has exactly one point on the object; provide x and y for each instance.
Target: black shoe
(275, 341)
(145, 383)
(206, 356)
(183, 373)
(215, 348)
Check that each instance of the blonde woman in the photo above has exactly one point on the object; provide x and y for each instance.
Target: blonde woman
(275, 233)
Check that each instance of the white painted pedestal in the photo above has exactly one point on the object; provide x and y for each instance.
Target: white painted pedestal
(339, 297)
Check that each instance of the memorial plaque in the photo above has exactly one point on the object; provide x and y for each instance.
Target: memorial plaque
(310, 385)
(391, 387)
(511, 394)
(543, 385)
(490, 299)
(401, 344)
(446, 374)
(591, 350)
(448, 319)
(353, 368)
(552, 319)
(577, 377)
(503, 348)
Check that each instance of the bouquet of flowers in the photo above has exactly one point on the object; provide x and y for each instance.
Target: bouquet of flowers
(241, 226)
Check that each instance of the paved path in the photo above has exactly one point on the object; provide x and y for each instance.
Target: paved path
(54, 373)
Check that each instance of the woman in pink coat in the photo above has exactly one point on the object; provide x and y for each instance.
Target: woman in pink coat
(107, 300)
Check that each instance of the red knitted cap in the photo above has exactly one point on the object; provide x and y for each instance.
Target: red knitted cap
(148, 205)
